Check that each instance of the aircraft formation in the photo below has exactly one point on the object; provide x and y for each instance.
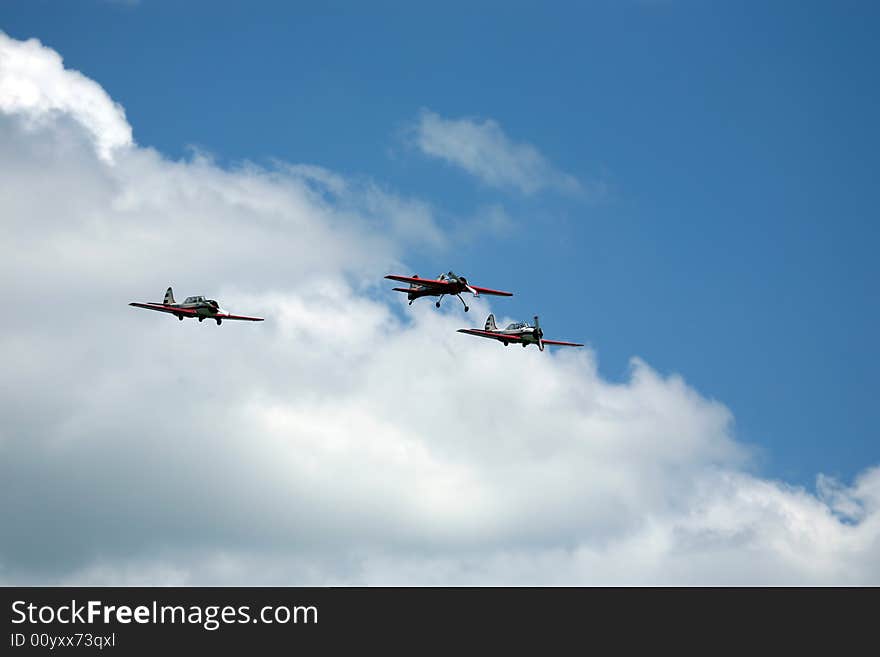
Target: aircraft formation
(449, 284)
(454, 285)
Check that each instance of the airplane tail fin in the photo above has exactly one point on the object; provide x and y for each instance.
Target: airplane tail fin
(490, 323)
(169, 297)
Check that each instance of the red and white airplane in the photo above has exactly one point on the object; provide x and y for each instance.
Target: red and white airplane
(518, 332)
(198, 307)
(451, 284)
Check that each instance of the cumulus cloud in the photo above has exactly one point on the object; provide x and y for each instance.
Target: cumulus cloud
(341, 441)
(34, 84)
(483, 149)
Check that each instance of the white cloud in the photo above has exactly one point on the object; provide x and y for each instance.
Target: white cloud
(482, 149)
(35, 84)
(334, 443)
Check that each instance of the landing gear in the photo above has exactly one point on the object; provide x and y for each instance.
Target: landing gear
(219, 321)
(524, 345)
(201, 319)
(410, 303)
(506, 344)
(180, 317)
(462, 302)
(437, 304)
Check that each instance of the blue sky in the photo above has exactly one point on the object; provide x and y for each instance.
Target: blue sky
(736, 143)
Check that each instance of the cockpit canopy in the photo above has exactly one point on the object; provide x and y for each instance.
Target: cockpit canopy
(200, 299)
(517, 325)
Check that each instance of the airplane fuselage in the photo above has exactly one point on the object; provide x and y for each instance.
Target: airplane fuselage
(203, 308)
(526, 334)
(454, 286)
(419, 292)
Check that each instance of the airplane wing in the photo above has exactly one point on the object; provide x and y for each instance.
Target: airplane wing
(426, 282)
(498, 293)
(562, 344)
(241, 317)
(162, 308)
(165, 309)
(490, 334)
(442, 285)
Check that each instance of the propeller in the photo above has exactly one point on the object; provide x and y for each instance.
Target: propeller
(468, 287)
(539, 334)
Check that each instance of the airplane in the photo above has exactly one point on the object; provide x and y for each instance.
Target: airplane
(198, 307)
(451, 284)
(518, 332)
